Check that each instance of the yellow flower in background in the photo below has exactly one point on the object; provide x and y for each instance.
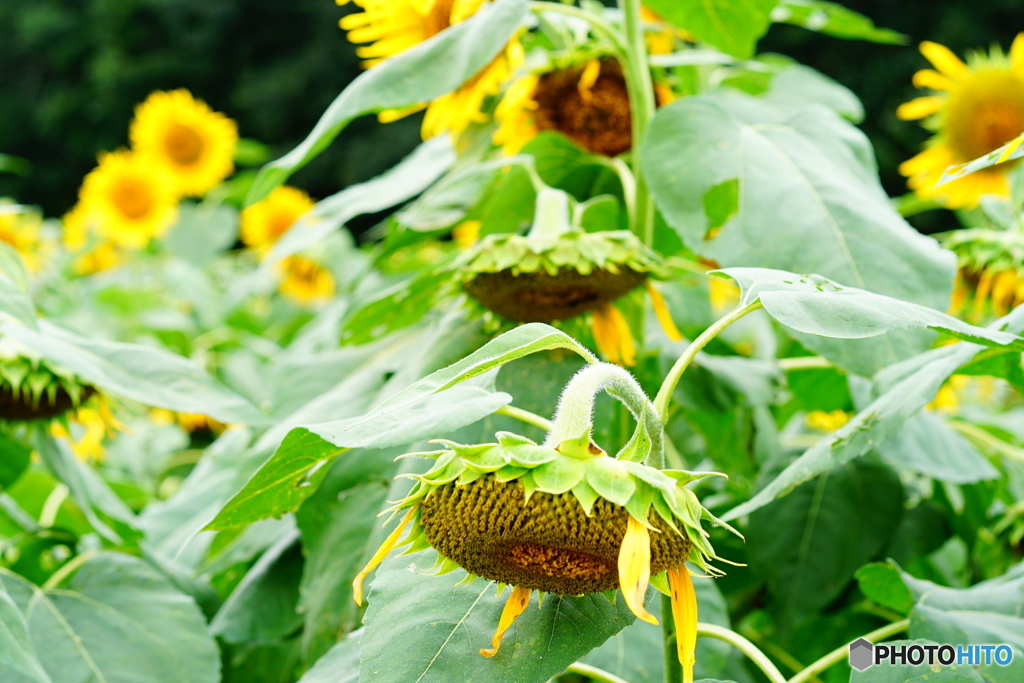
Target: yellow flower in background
(821, 421)
(304, 281)
(392, 26)
(103, 257)
(77, 224)
(91, 428)
(131, 200)
(20, 229)
(515, 115)
(978, 107)
(466, 234)
(612, 335)
(264, 222)
(192, 143)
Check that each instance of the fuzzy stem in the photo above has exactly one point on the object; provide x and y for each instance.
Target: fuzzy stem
(551, 218)
(841, 653)
(576, 405)
(594, 674)
(669, 385)
(746, 647)
(641, 107)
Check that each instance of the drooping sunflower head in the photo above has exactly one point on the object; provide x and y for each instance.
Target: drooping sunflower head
(392, 26)
(32, 388)
(130, 199)
(990, 278)
(556, 271)
(192, 143)
(976, 108)
(20, 229)
(304, 281)
(588, 103)
(264, 222)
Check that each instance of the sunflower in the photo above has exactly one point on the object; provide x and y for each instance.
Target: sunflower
(990, 275)
(192, 143)
(33, 388)
(392, 26)
(588, 103)
(90, 427)
(131, 200)
(264, 222)
(561, 517)
(304, 281)
(978, 107)
(20, 228)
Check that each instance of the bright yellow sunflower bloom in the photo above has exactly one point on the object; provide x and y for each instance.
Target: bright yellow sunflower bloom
(19, 228)
(264, 222)
(978, 107)
(193, 143)
(131, 200)
(392, 26)
(305, 281)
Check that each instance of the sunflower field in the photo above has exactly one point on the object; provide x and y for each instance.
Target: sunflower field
(629, 372)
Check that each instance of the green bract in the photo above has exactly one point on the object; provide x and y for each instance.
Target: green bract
(551, 519)
(32, 388)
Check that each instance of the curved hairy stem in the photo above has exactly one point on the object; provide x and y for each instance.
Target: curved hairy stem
(746, 647)
(669, 385)
(841, 653)
(641, 109)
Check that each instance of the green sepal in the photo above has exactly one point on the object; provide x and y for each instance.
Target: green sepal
(611, 595)
(530, 455)
(487, 460)
(510, 473)
(586, 496)
(529, 486)
(430, 455)
(581, 447)
(660, 583)
(685, 477)
(508, 439)
(639, 505)
(611, 480)
(638, 448)
(559, 476)
(468, 477)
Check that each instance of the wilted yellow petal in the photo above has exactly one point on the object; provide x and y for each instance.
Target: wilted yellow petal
(926, 78)
(588, 78)
(662, 313)
(516, 605)
(604, 333)
(378, 557)
(635, 568)
(960, 292)
(919, 108)
(981, 296)
(1002, 291)
(943, 59)
(684, 614)
(627, 349)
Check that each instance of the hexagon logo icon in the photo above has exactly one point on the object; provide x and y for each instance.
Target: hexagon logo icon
(862, 654)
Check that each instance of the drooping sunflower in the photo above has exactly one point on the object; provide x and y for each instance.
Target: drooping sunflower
(558, 271)
(990, 275)
(263, 223)
(588, 103)
(33, 388)
(561, 517)
(20, 228)
(392, 26)
(977, 107)
(304, 281)
(192, 143)
(130, 199)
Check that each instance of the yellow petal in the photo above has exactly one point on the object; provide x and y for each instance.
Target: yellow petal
(662, 313)
(919, 108)
(943, 59)
(1017, 55)
(516, 605)
(392, 115)
(604, 334)
(635, 568)
(1002, 291)
(378, 557)
(588, 78)
(981, 296)
(960, 291)
(926, 78)
(684, 614)
(623, 337)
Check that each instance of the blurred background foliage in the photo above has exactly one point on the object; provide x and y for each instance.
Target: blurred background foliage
(72, 71)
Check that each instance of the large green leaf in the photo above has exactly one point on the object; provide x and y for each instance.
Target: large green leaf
(145, 374)
(928, 445)
(809, 544)
(808, 201)
(336, 524)
(261, 610)
(835, 20)
(733, 26)
(118, 620)
(299, 465)
(426, 629)
(15, 460)
(18, 660)
(420, 74)
(14, 297)
(202, 232)
(921, 673)
(339, 665)
(818, 306)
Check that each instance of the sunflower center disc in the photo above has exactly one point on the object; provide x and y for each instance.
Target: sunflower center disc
(984, 114)
(183, 144)
(601, 122)
(133, 198)
(547, 544)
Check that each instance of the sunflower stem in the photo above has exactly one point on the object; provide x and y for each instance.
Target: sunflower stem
(673, 668)
(594, 674)
(526, 416)
(664, 396)
(746, 647)
(641, 107)
(841, 653)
